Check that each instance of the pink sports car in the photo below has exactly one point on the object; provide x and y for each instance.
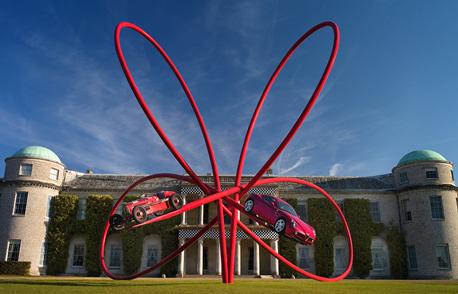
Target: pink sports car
(277, 214)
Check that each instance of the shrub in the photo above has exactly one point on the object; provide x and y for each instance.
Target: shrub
(21, 268)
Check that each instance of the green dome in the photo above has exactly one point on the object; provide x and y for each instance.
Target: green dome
(421, 155)
(37, 152)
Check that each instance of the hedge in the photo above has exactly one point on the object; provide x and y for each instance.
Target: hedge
(21, 268)
(63, 211)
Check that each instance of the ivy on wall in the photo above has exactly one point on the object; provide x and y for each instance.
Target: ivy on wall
(362, 229)
(287, 248)
(322, 217)
(397, 249)
(97, 210)
(63, 211)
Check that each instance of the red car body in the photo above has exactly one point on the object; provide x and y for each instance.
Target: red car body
(140, 209)
(278, 215)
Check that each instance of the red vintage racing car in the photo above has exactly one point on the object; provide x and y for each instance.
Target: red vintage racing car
(278, 215)
(139, 210)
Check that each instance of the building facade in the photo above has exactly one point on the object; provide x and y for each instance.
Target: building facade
(419, 196)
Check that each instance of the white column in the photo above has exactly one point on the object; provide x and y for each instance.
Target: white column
(218, 258)
(238, 260)
(200, 256)
(274, 269)
(201, 213)
(256, 260)
(183, 215)
(181, 271)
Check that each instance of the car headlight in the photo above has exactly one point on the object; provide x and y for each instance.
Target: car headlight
(293, 223)
(314, 233)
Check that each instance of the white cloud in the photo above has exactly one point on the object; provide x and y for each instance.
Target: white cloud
(335, 169)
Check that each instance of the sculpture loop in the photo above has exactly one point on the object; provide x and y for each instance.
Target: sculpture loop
(214, 194)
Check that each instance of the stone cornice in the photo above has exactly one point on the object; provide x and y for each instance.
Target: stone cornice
(29, 183)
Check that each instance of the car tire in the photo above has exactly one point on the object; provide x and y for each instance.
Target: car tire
(139, 214)
(176, 201)
(280, 225)
(117, 222)
(248, 206)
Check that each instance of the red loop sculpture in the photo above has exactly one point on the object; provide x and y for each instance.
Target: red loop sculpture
(233, 195)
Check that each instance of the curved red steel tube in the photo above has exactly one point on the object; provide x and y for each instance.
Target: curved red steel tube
(164, 137)
(300, 120)
(239, 190)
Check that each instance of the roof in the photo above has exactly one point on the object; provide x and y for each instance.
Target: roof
(421, 155)
(121, 182)
(381, 182)
(115, 182)
(37, 152)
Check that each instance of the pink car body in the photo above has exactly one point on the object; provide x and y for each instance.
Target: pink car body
(278, 215)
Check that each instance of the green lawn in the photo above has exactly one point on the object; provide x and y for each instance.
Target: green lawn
(47, 285)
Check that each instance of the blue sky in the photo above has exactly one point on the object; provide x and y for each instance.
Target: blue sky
(393, 88)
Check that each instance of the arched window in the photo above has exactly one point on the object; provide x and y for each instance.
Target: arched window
(380, 259)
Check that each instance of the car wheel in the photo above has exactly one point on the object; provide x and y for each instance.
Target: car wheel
(140, 215)
(249, 204)
(280, 225)
(117, 222)
(176, 201)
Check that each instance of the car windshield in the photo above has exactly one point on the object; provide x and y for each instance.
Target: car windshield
(286, 207)
(268, 198)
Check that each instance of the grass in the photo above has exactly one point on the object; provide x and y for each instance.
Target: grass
(67, 285)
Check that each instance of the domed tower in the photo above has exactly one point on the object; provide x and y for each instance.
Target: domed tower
(427, 198)
(33, 175)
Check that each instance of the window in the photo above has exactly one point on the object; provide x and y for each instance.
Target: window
(25, 170)
(152, 256)
(443, 256)
(20, 203)
(14, 247)
(437, 210)
(115, 256)
(81, 209)
(453, 176)
(412, 257)
(304, 257)
(431, 173)
(405, 206)
(378, 259)
(48, 208)
(250, 258)
(54, 174)
(206, 213)
(78, 255)
(205, 258)
(374, 211)
(403, 178)
(302, 210)
(286, 207)
(342, 207)
(44, 254)
(340, 258)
